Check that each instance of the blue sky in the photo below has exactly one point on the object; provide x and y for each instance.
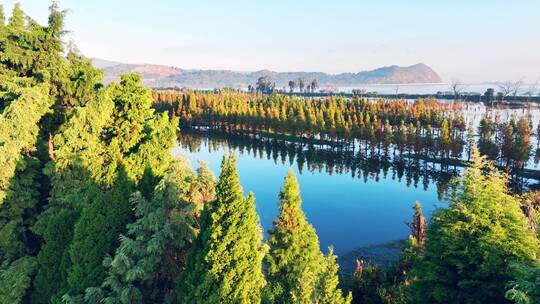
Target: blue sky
(467, 40)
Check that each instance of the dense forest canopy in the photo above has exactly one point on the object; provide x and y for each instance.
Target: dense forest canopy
(95, 209)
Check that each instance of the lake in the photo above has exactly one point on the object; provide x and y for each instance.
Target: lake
(432, 88)
(359, 204)
(350, 206)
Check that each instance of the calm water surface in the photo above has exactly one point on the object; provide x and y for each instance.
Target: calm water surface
(347, 212)
(349, 206)
(432, 88)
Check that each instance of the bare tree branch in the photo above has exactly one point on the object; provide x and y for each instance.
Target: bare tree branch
(510, 88)
(457, 88)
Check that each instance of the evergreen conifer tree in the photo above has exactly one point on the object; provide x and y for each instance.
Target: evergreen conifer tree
(225, 263)
(96, 234)
(78, 159)
(19, 129)
(53, 260)
(151, 255)
(297, 271)
(329, 292)
(525, 287)
(23, 103)
(294, 257)
(89, 154)
(471, 244)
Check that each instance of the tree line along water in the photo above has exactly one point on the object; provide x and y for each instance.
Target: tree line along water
(440, 132)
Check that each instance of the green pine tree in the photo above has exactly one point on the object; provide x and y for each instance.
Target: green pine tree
(19, 129)
(525, 287)
(151, 255)
(89, 152)
(294, 257)
(23, 103)
(329, 292)
(78, 161)
(471, 244)
(96, 234)
(34, 74)
(15, 279)
(226, 260)
(297, 271)
(53, 260)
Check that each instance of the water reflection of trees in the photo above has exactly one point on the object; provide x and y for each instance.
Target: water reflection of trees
(359, 164)
(445, 133)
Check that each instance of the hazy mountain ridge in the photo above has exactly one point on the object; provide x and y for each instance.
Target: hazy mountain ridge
(168, 76)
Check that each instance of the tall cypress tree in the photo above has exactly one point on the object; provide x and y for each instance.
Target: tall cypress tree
(136, 139)
(226, 260)
(19, 182)
(16, 20)
(297, 271)
(294, 258)
(25, 98)
(19, 129)
(33, 75)
(78, 157)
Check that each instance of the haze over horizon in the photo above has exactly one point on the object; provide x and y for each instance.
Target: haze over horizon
(471, 41)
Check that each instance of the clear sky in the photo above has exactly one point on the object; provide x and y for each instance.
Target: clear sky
(472, 40)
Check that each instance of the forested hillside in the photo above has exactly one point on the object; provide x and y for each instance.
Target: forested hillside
(94, 208)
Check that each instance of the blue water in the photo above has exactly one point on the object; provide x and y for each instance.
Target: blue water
(346, 212)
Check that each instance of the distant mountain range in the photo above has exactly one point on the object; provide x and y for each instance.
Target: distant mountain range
(169, 76)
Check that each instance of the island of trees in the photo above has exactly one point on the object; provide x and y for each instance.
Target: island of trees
(95, 209)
